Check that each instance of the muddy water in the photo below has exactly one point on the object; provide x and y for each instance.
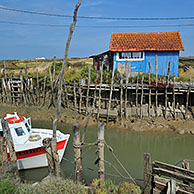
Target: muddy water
(129, 147)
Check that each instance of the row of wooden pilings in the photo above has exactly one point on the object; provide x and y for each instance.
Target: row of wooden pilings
(77, 145)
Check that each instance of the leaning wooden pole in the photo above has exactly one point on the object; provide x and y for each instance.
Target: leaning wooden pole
(101, 151)
(77, 153)
(54, 142)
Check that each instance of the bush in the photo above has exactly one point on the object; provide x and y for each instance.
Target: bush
(51, 186)
(108, 186)
(7, 186)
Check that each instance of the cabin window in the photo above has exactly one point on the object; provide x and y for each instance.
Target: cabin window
(130, 56)
(20, 131)
(27, 127)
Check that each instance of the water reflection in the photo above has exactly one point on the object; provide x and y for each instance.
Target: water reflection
(129, 147)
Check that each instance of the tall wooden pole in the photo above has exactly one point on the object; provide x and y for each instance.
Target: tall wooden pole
(156, 110)
(141, 104)
(88, 89)
(101, 151)
(150, 91)
(99, 98)
(174, 98)
(147, 173)
(77, 153)
(110, 96)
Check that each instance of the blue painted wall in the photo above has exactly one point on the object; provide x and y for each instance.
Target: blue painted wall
(163, 60)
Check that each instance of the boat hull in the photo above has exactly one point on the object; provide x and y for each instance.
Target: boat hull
(36, 157)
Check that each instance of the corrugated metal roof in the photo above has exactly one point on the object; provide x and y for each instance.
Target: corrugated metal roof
(154, 41)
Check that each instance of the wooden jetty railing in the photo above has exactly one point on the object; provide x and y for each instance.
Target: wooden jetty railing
(118, 100)
(167, 178)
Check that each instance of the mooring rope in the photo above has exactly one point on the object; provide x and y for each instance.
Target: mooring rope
(116, 158)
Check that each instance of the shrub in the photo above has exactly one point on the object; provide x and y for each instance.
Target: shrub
(7, 186)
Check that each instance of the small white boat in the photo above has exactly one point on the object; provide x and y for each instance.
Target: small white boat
(28, 142)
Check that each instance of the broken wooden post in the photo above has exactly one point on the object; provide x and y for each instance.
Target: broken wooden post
(12, 154)
(171, 187)
(77, 153)
(156, 108)
(185, 165)
(147, 174)
(48, 149)
(101, 151)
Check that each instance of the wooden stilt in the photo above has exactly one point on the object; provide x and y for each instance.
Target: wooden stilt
(174, 98)
(110, 96)
(156, 99)
(88, 89)
(166, 90)
(77, 153)
(99, 97)
(75, 96)
(150, 90)
(141, 104)
(147, 174)
(44, 88)
(101, 151)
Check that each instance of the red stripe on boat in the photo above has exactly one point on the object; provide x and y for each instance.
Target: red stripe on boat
(36, 151)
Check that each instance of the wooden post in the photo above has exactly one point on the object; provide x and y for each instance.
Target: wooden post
(174, 98)
(44, 89)
(147, 174)
(166, 90)
(171, 187)
(150, 91)
(48, 149)
(5, 70)
(77, 153)
(9, 141)
(141, 111)
(185, 164)
(80, 97)
(74, 95)
(110, 96)
(37, 87)
(3, 155)
(52, 89)
(137, 87)
(121, 98)
(99, 98)
(156, 108)
(187, 101)
(88, 89)
(54, 67)
(66, 95)
(126, 87)
(101, 151)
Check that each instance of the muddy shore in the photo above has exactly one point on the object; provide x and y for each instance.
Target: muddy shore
(158, 125)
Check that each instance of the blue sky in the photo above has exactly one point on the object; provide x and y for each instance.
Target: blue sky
(25, 41)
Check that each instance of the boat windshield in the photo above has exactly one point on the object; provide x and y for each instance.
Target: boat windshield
(19, 131)
(27, 127)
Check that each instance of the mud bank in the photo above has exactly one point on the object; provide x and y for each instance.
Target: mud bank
(159, 125)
